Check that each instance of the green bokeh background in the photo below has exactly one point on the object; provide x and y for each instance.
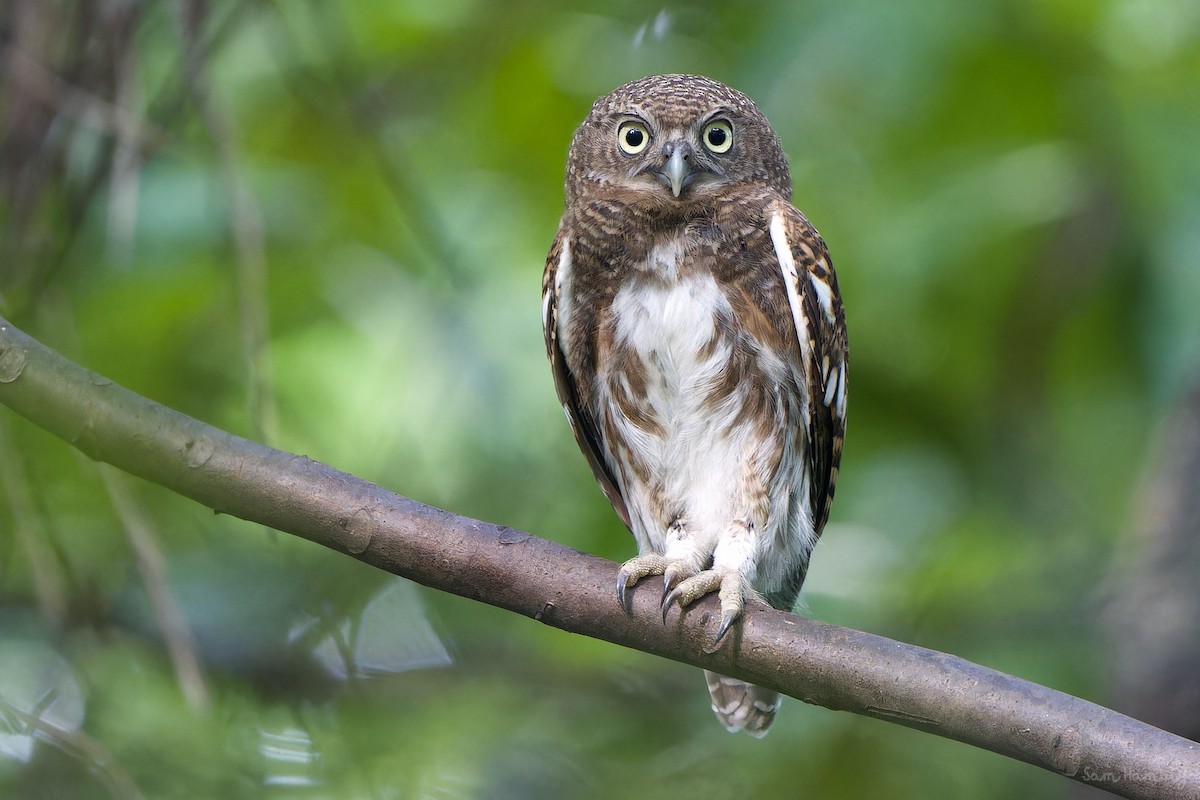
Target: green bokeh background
(1011, 193)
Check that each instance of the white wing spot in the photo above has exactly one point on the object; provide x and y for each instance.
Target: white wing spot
(824, 295)
(831, 386)
(791, 280)
(562, 278)
(840, 408)
(546, 297)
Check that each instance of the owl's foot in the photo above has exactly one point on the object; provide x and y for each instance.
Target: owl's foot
(730, 589)
(683, 585)
(633, 571)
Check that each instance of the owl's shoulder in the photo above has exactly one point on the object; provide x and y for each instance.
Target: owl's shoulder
(613, 236)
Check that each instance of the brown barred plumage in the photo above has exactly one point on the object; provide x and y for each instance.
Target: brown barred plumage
(698, 344)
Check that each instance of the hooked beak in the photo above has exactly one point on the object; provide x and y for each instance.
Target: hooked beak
(678, 172)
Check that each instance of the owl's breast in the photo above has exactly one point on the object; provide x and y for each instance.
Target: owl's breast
(670, 332)
(693, 406)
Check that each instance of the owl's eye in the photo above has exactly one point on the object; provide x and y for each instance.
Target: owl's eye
(718, 136)
(633, 137)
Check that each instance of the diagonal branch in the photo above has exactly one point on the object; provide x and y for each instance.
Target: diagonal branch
(838, 668)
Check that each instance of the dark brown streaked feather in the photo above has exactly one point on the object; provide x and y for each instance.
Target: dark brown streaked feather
(826, 333)
(581, 421)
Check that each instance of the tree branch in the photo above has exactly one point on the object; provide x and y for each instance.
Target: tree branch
(835, 667)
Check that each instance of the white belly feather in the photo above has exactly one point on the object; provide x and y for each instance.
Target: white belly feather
(709, 463)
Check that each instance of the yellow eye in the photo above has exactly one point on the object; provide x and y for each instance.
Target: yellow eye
(718, 136)
(633, 137)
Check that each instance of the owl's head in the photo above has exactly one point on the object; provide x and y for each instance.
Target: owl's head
(675, 138)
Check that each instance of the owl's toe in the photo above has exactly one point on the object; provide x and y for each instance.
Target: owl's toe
(675, 572)
(730, 588)
(633, 571)
(695, 587)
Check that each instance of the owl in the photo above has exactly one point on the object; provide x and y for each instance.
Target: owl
(698, 344)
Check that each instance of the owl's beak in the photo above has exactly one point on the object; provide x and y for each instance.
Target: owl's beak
(679, 171)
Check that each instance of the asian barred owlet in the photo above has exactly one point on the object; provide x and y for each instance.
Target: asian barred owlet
(696, 334)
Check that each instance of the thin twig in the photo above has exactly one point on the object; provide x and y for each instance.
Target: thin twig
(245, 222)
(89, 751)
(30, 530)
(152, 567)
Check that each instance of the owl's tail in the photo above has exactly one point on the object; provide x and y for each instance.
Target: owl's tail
(742, 706)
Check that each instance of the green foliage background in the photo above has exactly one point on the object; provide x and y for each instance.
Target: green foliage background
(1011, 193)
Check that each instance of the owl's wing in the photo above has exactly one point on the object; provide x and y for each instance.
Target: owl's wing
(558, 264)
(816, 307)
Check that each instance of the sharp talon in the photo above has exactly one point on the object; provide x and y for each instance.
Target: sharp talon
(670, 578)
(622, 593)
(670, 598)
(667, 588)
(727, 620)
